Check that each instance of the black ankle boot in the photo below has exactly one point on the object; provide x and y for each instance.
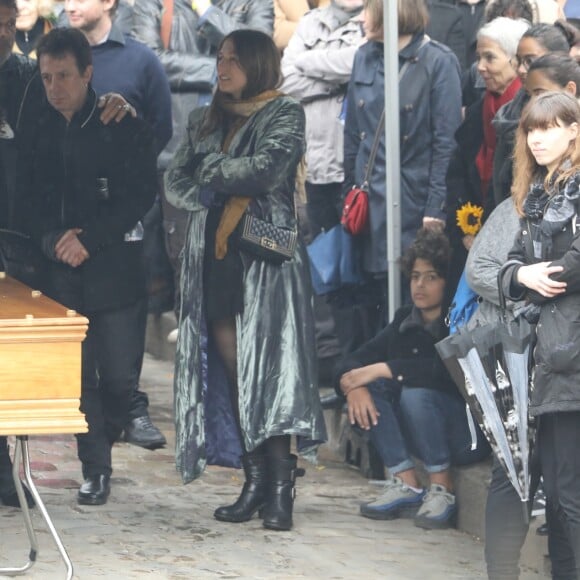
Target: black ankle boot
(253, 494)
(277, 512)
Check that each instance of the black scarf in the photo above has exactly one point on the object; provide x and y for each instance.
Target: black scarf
(550, 211)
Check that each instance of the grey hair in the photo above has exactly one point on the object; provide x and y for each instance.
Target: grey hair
(506, 32)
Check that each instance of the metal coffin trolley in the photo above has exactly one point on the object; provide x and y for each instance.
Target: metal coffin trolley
(40, 378)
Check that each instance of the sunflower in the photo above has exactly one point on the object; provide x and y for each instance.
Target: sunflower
(469, 218)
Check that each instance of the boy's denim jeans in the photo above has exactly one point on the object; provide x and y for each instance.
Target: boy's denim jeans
(430, 424)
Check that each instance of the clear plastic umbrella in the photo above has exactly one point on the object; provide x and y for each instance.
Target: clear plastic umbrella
(491, 365)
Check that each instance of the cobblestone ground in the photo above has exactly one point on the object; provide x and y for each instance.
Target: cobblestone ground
(153, 527)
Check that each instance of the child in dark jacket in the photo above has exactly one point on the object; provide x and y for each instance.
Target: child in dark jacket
(398, 389)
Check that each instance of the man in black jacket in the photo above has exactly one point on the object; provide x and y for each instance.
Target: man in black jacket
(126, 66)
(87, 186)
(17, 79)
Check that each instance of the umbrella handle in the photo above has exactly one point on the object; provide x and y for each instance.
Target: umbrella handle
(526, 508)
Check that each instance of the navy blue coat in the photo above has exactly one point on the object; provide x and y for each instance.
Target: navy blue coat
(430, 112)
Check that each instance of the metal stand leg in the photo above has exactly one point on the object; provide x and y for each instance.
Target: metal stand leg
(21, 454)
(25, 514)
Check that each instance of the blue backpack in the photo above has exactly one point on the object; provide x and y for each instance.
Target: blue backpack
(465, 303)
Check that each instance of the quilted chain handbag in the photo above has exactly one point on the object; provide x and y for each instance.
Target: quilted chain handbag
(267, 241)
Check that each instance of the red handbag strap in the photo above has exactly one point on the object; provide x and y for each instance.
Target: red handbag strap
(381, 127)
(371, 163)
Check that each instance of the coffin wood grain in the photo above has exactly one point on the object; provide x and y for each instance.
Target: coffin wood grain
(40, 363)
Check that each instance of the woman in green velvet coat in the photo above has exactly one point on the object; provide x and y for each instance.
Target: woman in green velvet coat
(245, 367)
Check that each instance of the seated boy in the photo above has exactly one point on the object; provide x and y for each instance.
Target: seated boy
(397, 388)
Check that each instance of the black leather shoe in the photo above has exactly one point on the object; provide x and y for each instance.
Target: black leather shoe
(11, 499)
(142, 432)
(95, 490)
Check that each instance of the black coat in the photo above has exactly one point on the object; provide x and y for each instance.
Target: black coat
(61, 170)
(472, 19)
(409, 349)
(15, 75)
(446, 26)
(505, 123)
(556, 385)
(463, 185)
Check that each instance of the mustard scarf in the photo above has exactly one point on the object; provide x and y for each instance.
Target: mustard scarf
(237, 205)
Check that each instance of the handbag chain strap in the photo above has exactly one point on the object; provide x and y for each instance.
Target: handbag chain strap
(381, 127)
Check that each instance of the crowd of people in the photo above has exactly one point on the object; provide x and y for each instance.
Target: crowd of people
(148, 149)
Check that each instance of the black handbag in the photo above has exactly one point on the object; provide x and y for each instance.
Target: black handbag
(265, 240)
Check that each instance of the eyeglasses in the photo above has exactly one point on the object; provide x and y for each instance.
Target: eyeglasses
(426, 277)
(526, 61)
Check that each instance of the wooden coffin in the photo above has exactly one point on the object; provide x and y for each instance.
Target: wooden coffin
(40, 363)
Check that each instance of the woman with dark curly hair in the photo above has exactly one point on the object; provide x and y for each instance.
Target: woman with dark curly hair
(397, 388)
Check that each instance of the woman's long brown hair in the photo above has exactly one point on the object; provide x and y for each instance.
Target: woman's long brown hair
(259, 59)
(550, 109)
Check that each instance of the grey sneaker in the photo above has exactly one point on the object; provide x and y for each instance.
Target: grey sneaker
(398, 500)
(439, 510)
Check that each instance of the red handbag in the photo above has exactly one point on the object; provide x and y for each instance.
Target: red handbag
(355, 212)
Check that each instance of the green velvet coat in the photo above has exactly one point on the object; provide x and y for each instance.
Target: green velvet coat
(278, 392)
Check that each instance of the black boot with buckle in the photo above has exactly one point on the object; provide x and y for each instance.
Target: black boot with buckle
(253, 495)
(277, 513)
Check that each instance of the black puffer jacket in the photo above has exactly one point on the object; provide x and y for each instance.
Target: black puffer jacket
(61, 172)
(189, 61)
(556, 386)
